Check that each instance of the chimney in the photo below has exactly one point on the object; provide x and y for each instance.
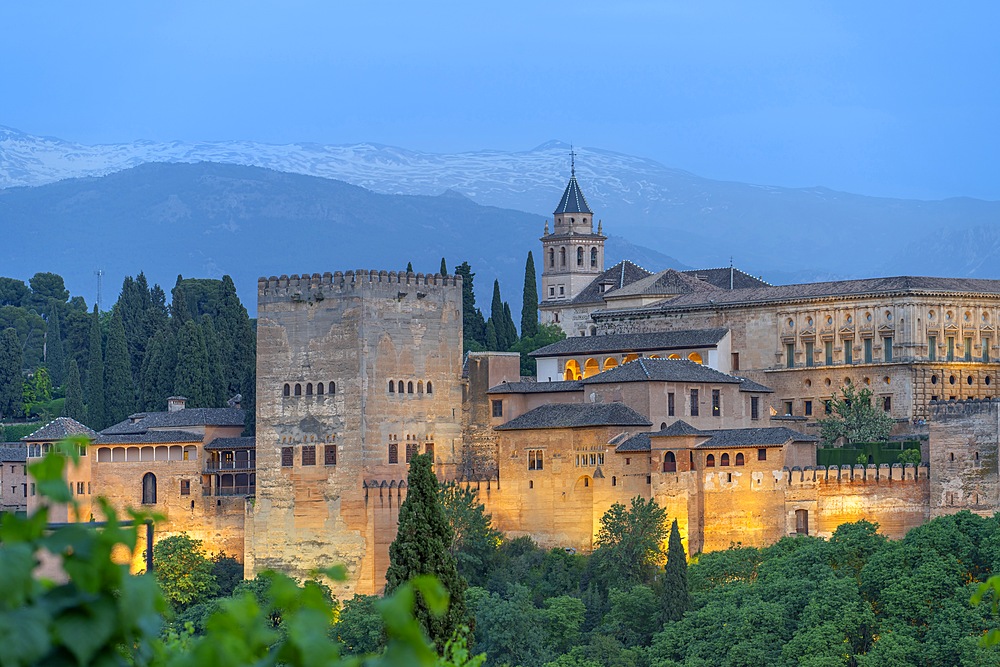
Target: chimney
(176, 403)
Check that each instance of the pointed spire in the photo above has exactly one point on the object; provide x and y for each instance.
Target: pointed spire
(572, 162)
(546, 227)
(600, 226)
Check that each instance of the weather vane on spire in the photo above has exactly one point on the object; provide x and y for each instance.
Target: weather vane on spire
(572, 161)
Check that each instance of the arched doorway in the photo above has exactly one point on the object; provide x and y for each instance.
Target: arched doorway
(149, 489)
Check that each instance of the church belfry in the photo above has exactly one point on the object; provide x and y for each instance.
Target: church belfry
(572, 254)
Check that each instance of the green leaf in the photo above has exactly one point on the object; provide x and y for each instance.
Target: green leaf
(84, 630)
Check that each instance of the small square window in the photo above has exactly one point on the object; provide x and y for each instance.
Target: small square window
(185, 487)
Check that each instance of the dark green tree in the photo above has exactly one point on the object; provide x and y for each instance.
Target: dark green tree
(675, 599)
(492, 343)
(473, 324)
(529, 303)
(510, 330)
(55, 355)
(228, 573)
(179, 311)
(119, 392)
(46, 287)
(183, 571)
(630, 542)
(192, 377)
(11, 377)
(474, 539)
(444, 267)
(74, 406)
(13, 292)
(218, 392)
(497, 317)
(421, 547)
(546, 335)
(359, 627)
(855, 418)
(237, 346)
(95, 376)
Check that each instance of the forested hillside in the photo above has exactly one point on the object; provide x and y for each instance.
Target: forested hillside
(57, 357)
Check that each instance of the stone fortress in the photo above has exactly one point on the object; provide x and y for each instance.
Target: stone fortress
(700, 389)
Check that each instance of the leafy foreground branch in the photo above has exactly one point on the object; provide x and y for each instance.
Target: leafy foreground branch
(103, 615)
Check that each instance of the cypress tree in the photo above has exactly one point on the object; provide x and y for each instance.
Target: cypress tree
(529, 304)
(676, 599)
(217, 392)
(95, 376)
(444, 267)
(421, 547)
(237, 347)
(473, 324)
(192, 377)
(492, 344)
(119, 392)
(179, 312)
(55, 357)
(153, 391)
(74, 407)
(11, 378)
(510, 331)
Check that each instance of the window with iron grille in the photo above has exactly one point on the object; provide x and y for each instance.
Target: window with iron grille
(330, 455)
(393, 453)
(411, 451)
(309, 455)
(286, 457)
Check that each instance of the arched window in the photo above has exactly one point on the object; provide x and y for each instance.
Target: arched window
(409, 387)
(739, 459)
(614, 481)
(332, 388)
(695, 357)
(663, 425)
(430, 387)
(591, 367)
(287, 390)
(579, 256)
(593, 258)
(552, 257)
(724, 461)
(610, 363)
(630, 357)
(298, 390)
(673, 356)
(320, 389)
(562, 256)
(420, 386)
(309, 389)
(149, 489)
(392, 387)
(669, 462)
(710, 461)
(572, 371)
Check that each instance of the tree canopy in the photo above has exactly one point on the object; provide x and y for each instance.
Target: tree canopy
(855, 418)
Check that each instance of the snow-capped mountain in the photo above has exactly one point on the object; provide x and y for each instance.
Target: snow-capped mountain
(784, 234)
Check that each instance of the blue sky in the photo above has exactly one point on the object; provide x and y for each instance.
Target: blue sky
(884, 98)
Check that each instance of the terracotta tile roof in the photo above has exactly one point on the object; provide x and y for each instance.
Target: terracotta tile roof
(639, 342)
(59, 428)
(178, 419)
(662, 370)
(576, 415)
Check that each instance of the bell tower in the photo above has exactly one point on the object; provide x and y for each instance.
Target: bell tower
(572, 254)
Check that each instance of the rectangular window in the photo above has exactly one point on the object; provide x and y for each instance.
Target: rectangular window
(429, 448)
(411, 451)
(535, 459)
(887, 348)
(329, 455)
(810, 353)
(986, 350)
(968, 349)
(286, 457)
(393, 453)
(932, 348)
(788, 408)
(309, 455)
(498, 408)
(736, 361)
(951, 348)
(32, 488)
(670, 404)
(79, 488)
(754, 407)
(761, 454)
(790, 355)
(868, 350)
(716, 403)
(807, 408)
(887, 403)
(828, 350)
(848, 351)
(185, 487)
(552, 291)
(694, 402)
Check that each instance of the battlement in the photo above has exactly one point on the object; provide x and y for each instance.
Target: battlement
(277, 286)
(856, 474)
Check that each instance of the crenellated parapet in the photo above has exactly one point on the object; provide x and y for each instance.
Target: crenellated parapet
(316, 286)
(856, 474)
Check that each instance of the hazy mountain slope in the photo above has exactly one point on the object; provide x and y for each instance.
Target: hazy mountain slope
(771, 231)
(208, 219)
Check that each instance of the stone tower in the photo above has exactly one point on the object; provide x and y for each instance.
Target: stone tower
(356, 373)
(572, 254)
